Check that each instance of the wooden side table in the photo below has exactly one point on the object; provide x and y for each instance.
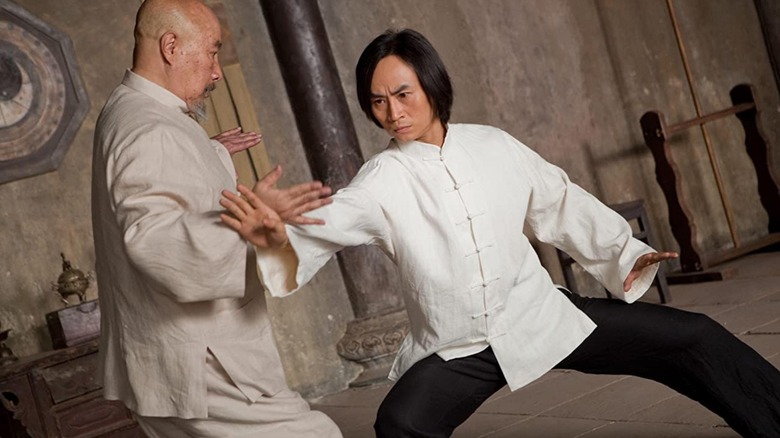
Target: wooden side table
(54, 394)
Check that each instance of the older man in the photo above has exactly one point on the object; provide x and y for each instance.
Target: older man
(186, 341)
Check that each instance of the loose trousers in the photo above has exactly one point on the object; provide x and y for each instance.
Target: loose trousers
(231, 415)
(685, 351)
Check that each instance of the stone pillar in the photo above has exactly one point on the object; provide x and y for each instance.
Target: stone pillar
(332, 150)
(769, 17)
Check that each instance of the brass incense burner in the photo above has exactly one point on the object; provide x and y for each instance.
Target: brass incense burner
(72, 281)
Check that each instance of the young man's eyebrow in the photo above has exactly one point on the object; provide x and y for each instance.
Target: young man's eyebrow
(400, 89)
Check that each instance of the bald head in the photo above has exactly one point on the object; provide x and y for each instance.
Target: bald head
(176, 46)
(155, 18)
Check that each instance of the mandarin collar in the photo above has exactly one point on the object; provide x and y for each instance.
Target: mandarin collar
(426, 151)
(156, 92)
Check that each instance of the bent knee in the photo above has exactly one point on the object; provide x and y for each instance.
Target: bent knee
(391, 421)
(698, 329)
(394, 421)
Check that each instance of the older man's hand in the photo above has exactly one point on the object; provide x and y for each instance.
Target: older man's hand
(293, 202)
(236, 140)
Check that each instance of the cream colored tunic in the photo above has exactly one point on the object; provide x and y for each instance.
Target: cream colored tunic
(174, 283)
(451, 219)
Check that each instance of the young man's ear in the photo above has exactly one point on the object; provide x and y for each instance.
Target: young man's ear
(168, 43)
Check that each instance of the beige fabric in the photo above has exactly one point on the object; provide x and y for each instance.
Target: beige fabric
(451, 219)
(173, 281)
(284, 415)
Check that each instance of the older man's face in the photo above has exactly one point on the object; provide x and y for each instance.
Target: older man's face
(201, 71)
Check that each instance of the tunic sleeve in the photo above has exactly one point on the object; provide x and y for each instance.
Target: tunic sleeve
(172, 234)
(354, 218)
(564, 215)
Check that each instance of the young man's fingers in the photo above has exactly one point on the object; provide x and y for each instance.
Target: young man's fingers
(248, 204)
(254, 201)
(277, 234)
(630, 280)
(232, 197)
(658, 257)
(273, 223)
(233, 208)
(248, 195)
(230, 221)
(239, 201)
(257, 207)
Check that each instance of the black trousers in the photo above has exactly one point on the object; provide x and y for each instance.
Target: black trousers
(685, 351)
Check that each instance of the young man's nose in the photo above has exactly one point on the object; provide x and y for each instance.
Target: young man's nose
(393, 110)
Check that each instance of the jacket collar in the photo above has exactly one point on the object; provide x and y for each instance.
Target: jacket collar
(156, 92)
(426, 151)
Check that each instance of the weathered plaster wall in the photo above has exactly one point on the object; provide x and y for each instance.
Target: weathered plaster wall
(569, 78)
(572, 78)
(48, 214)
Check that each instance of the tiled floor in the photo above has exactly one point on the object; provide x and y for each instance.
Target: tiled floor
(570, 404)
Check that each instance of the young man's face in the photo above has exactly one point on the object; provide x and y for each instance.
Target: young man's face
(401, 106)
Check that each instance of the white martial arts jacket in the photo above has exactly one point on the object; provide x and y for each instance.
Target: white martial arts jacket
(173, 281)
(451, 219)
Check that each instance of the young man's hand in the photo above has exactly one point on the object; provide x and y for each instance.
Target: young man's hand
(252, 219)
(644, 261)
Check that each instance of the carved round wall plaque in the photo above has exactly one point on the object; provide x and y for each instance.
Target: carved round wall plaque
(42, 99)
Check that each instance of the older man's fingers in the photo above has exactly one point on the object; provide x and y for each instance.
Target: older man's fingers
(304, 220)
(269, 179)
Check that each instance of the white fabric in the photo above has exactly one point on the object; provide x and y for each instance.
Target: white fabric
(173, 280)
(451, 219)
(285, 415)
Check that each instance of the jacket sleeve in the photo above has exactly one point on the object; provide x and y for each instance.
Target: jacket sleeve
(564, 215)
(167, 207)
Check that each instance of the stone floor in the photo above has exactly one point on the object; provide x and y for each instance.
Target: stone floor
(570, 404)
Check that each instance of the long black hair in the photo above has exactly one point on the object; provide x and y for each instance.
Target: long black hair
(414, 49)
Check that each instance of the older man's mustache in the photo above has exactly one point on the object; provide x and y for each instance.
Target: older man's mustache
(197, 109)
